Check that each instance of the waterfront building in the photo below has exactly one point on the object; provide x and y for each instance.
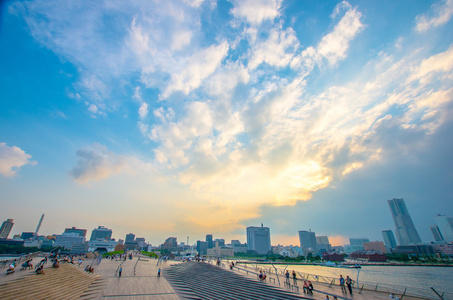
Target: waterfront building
(66, 240)
(406, 234)
(101, 233)
(79, 248)
(445, 225)
(210, 241)
(332, 257)
(6, 228)
(240, 248)
(130, 238)
(258, 239)
(307, 241)
(371, 255)
(377, 246)
(389, 240)
(102, 246)
(436, 233)
(235, 242)
(81, 232)
(221, 252)
(27, 235)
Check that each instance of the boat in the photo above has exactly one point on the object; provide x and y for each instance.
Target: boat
(340, 265)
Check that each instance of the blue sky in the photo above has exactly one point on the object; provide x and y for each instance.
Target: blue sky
(183, 118)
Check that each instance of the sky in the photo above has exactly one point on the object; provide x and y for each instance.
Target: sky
(187, 118)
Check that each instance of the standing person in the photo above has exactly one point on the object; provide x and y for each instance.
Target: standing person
(158, 273)
(343, 287)
(120, 271)
(287, 276)
(294, 278)
(349, 284)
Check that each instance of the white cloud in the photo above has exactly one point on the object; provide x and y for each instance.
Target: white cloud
(11, 159)
(143, 110)
(196, 69)
(441, 14)
(278, 50)
(256, 11)
(334, 45)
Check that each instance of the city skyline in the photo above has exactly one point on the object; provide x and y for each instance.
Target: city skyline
(185, 118)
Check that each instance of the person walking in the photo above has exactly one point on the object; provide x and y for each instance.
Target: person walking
(349, 284)
(120, 270)
(158, 273)
(342, 285)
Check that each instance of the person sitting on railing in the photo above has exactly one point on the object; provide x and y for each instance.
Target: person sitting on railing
(305, 286)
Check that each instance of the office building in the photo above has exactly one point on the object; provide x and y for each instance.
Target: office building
(130, 238)
(219, 242)
(6, 228)
(307, 240)
(81, 232)
(101, 233)
(322, 240)
(210, 241)
(202, 247)
(436, 233)
(66, 240)
(259, 239)
(389, 240)
(170, 243)
(406, 234)
(445, 225)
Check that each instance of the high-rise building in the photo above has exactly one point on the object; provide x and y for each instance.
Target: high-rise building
(406, 234)
(202, 247)
(6, 228)
(130, 238)
(81, 232)
(389, 240)
(307, 240)
(259, 239)
(322, 240)
(210, 241)
(445, 225)
(219, 242)
(101, 233)
(27, 235)
(436, 233)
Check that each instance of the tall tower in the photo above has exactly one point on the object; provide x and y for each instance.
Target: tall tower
(39, 224)
(406, 234)
(209, 241)
(6, 228)
(436, 233)
(259, 239)
(389, 240)
(445, 225)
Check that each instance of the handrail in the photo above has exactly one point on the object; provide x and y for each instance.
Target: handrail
(370, 286)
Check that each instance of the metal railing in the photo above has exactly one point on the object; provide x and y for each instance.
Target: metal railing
(401, 291)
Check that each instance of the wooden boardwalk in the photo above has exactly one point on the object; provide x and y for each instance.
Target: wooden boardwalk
(138, 285)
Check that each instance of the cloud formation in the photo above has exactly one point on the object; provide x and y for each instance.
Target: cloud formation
(96, 163)
(12, 159)
(440, 15)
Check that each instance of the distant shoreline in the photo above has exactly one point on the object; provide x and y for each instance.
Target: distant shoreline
(361, 264)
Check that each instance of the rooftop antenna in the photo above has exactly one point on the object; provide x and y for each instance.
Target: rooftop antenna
(39, 224)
